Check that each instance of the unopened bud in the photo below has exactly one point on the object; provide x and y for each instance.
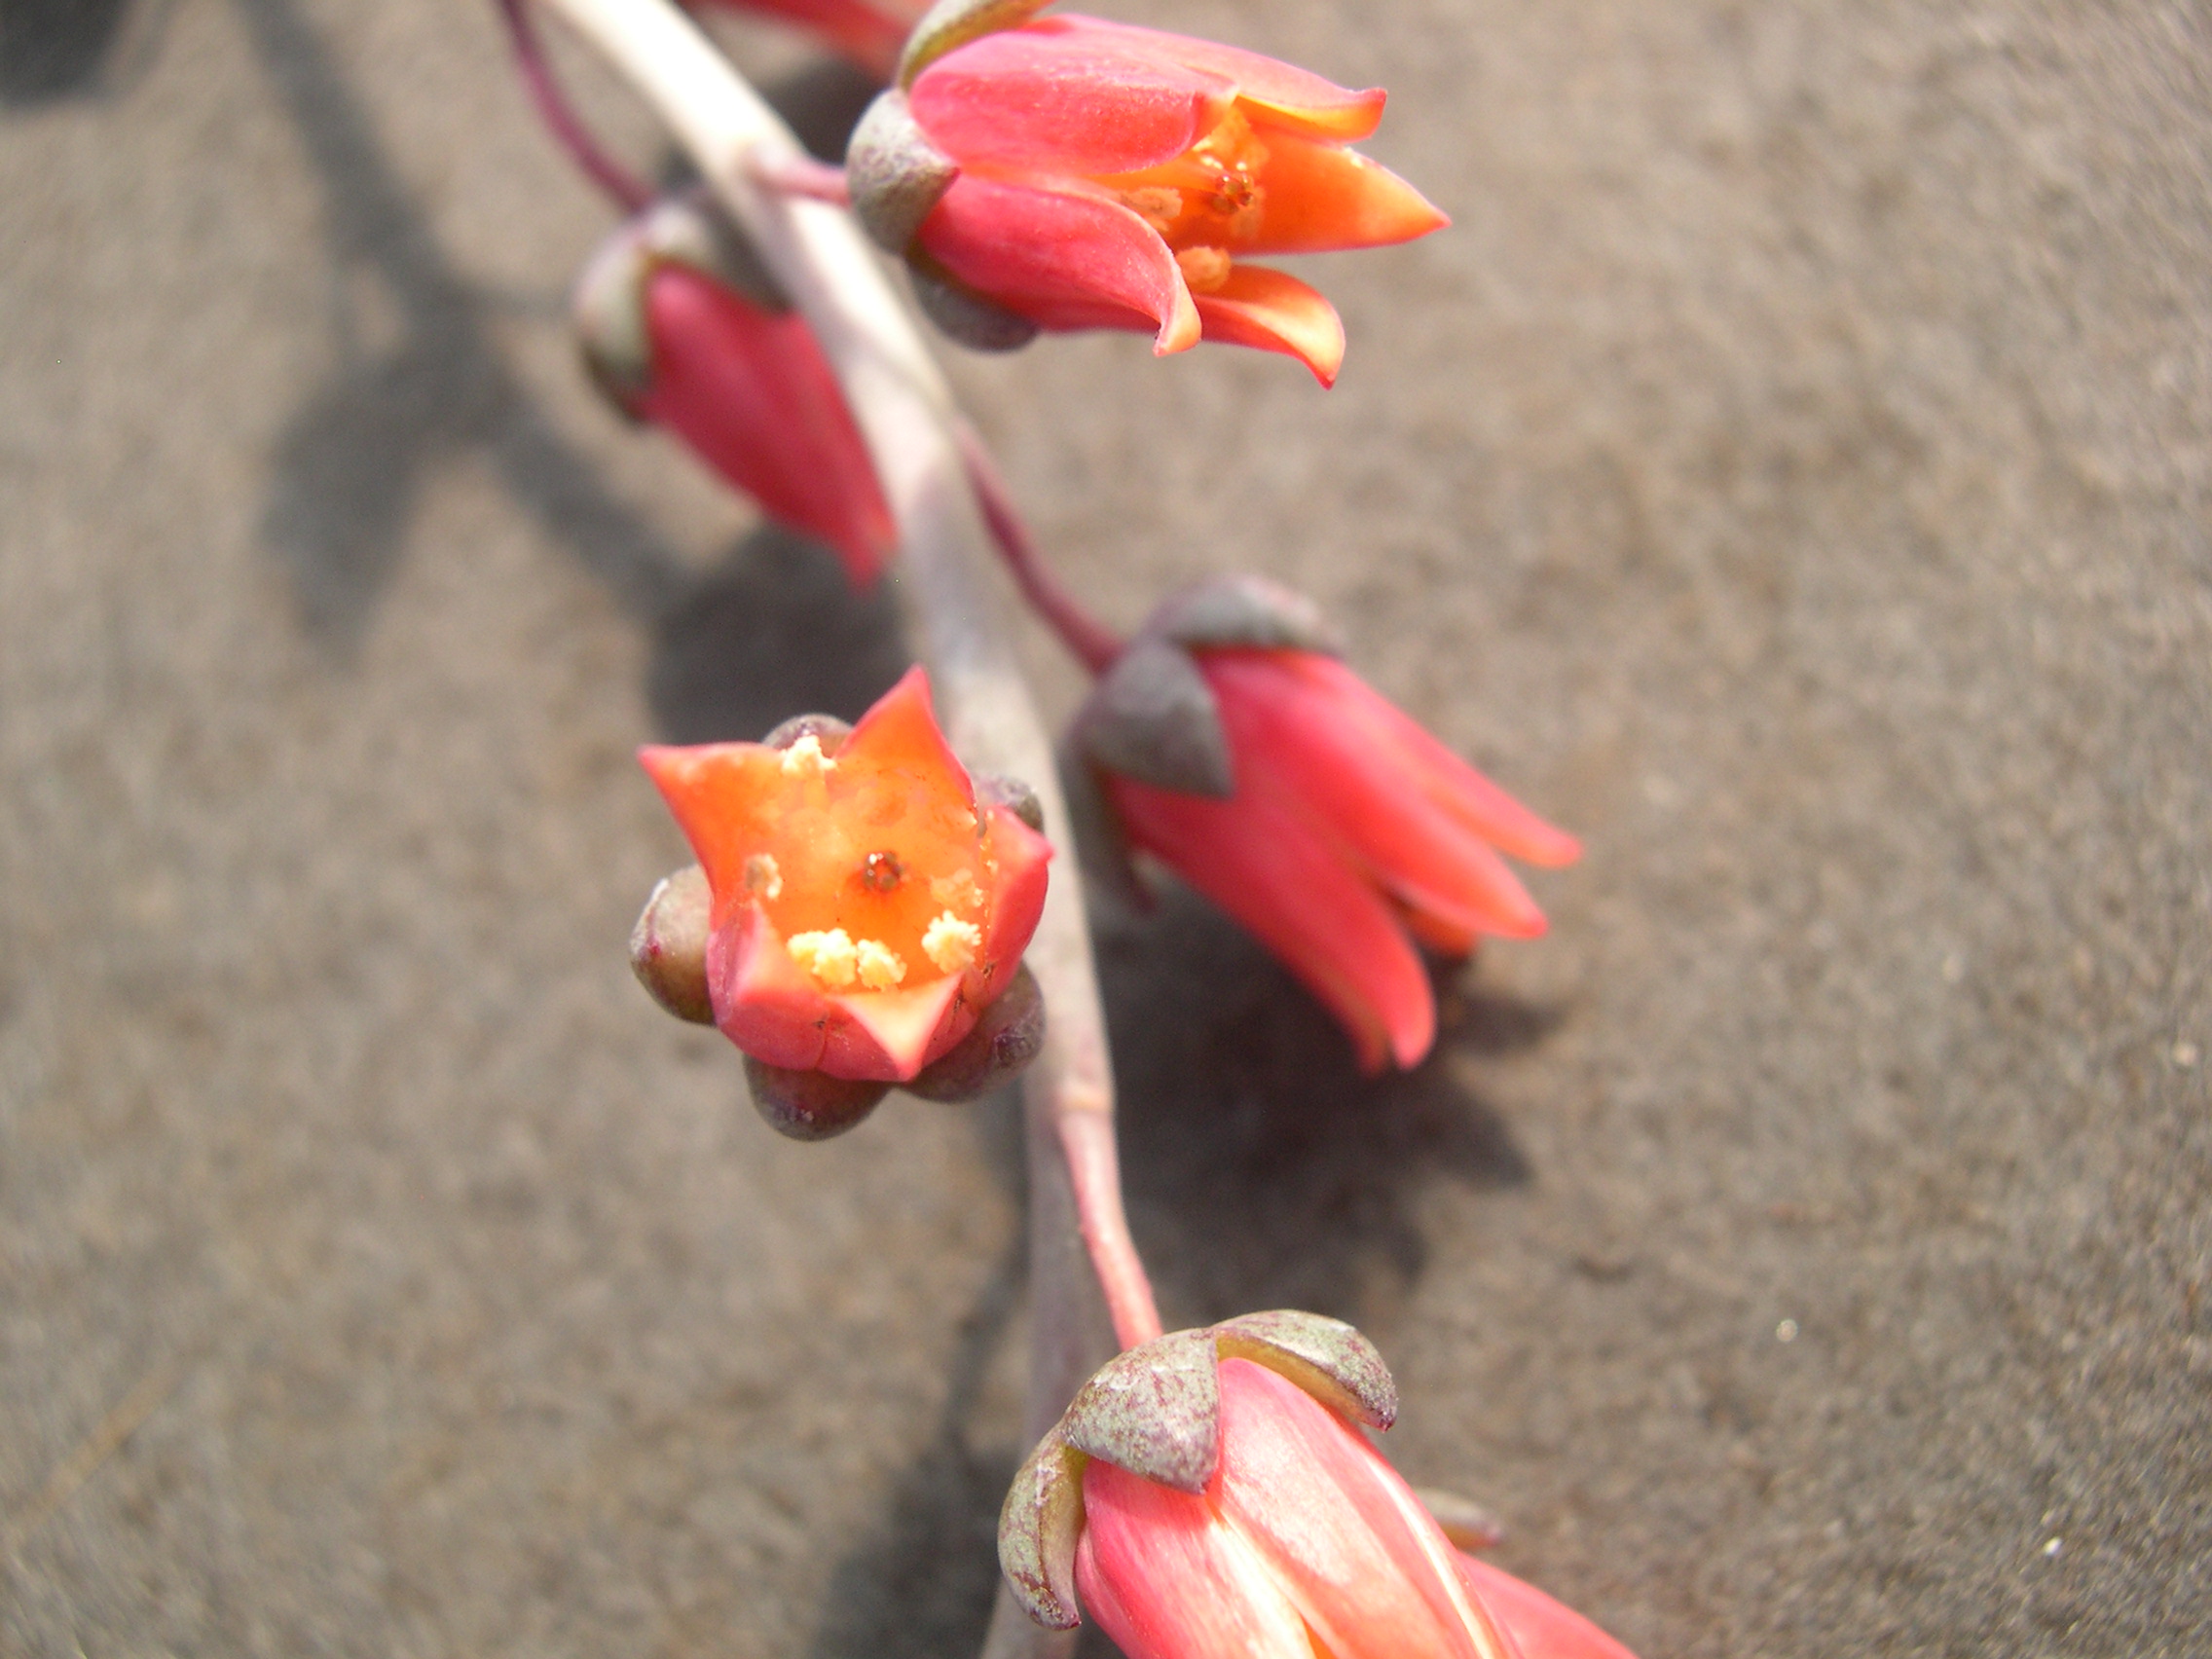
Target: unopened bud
(668, 948)
(810, 1105)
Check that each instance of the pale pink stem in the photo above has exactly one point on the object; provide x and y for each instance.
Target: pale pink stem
(624, 188)
(1092, 643)
(802, 176)
(1087, 1138)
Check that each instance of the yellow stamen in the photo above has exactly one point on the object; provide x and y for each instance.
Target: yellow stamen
(761, 876)
(1205, 269)
(805, 757)
(880, 968)
(828, 956)
(957, 890)
(952, 943)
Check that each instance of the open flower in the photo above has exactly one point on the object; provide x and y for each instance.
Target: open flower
(1092, 174)
(1206, 1497)
(682, 327)
(865, 909)
(1233, 745)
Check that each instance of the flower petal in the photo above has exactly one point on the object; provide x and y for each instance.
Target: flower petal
(1542, 1628)
(889, 1036)
(1045, 99)
(1277, 94)
(1017, 902)
(1449, 781)
(1166, 1579)
(1320, 745)
(753, 394)
(717, 792)
(1324, 1510)
(761, 1001)
(900, 733)
(1293, 891)
(1276, 313)
(1321, 197)
(1062, 259)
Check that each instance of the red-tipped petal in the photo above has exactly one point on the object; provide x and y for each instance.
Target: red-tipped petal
(1454, 784)
(716, 791)
(888, 1036)
(900, 732)
(1166, 1579)
(1321, 197)
(1049, 100)
(1260, 861)
(1327, 1514)
(1544, 1628)
(1277, 94)
(1063, 260)
(1319, 746)
(761, 1001)
(1276, 313)
(752, 393)
(1017, 902)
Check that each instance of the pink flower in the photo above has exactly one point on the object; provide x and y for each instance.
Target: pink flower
(865, 908)
(681, 328)
(1266, 1526)
(1335, 830)
(1110, 176)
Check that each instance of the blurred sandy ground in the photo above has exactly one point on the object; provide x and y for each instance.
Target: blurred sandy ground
(1790, 470)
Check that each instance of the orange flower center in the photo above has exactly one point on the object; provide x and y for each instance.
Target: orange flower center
(1205, 202)
(874, 876)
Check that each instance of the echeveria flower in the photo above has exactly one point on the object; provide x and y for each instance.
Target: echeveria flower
(682, 327)
(1233, 745)
(865, 906)
(1079, 173)
(1206, 1498)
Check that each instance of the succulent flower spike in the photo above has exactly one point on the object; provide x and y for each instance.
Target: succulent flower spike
(1234, 748)
(865, 909)
(868, 32)
(1206, 1496)
(681, 326)
(1067, 172)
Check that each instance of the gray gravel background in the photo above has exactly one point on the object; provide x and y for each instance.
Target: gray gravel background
(1792, 472)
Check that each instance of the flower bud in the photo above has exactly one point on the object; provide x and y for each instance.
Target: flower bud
(1230, 743)
(682, 326)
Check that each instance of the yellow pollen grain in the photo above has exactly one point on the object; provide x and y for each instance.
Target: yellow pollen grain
(1205, 269)
(828, 956)
(880, 966)
(956, 892)
(1159, 206)
(805, 758)
(952, 943)
(763, 877)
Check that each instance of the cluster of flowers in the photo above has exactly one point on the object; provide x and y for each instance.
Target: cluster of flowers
(862, 903)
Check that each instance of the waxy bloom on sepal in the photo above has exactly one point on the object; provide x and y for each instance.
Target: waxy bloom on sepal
(865, 906)
(1231, 744)
(1070, 172)
(1206, 1498)
(682, 327)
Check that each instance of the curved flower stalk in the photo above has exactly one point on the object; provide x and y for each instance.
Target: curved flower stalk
(868, 32)
(865, 908)
(1231, 744)
(1206, 1496)
(1071, 172)
(680, 327)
